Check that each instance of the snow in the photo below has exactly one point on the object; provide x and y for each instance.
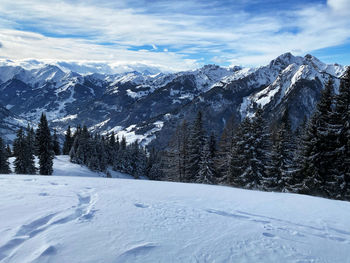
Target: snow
(88, 219)
(130, 133)
(67, 118)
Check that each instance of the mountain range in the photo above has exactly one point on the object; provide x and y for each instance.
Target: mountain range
(148, 105)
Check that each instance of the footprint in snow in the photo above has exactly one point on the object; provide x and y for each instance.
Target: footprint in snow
(141, 205)
(43, 194)
(268, 234)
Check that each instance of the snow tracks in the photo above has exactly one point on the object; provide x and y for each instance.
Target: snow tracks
(83, 211)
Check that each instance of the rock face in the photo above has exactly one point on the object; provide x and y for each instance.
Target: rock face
(148, 107)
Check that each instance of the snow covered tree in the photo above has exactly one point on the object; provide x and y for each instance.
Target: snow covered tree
(237, 161)
(281, 163)
(4, 163)
(44, 147)
(68, 142)
(206, 166)
(318, 156)
(250, 153)
(56, 144)
(341, 122)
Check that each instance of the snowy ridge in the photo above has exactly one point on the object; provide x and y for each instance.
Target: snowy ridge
(297, 69)
(106, 102)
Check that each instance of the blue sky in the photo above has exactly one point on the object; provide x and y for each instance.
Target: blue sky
(174, 35)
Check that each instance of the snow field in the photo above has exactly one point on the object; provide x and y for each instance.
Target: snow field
(89, 219)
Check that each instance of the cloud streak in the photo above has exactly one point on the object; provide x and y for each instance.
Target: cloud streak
(175, 36)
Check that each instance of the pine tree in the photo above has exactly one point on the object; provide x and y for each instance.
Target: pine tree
(251, 153)
(68, 142)
(56, 144)
(236, 158)
(30, 135)
(176, 155)
(223, 155)
(97, 159)
(44, 147)
(195, 146)
(282, 157)
(30, 150)
(318, 153)
(24, 161)
(154, 169)
(83, 149)
(111, 149)
(4, 163)
(206, 166)
(341, 123)
(9, 151)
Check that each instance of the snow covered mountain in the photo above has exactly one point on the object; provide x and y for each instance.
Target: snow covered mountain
(67, 218)
(148, 105)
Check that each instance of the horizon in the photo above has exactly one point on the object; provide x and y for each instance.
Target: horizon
(106, 68)
(174, 36)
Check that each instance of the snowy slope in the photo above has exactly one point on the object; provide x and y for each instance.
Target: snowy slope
(63, 167)
(75, 219)
(298, 69)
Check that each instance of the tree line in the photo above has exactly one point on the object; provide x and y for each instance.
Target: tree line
(99, 152)
(26, 145)
(314, 159)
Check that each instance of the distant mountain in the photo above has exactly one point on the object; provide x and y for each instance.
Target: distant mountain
(148, 105)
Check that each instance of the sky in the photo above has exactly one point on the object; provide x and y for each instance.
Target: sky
(174, 35)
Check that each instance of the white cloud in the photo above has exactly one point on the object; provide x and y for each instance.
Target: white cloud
(342, 6)
(80, 30)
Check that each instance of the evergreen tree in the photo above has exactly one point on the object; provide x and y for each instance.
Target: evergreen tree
(206, 166)
(195, 147)
(250, 153)
(56, 144)
(44, 147)
(212, 146)
(176, 156)
(318, 153)
(30, 150)
(237, 160)
(111, 149)
(83, 150)
(341, 123)
(68, 142)
(223, 156)
(282, 157)
(31, 139)
(96, 159)
(24, 161)
(9, 151)
(154, 169)
(137, 160)
(4, 163)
